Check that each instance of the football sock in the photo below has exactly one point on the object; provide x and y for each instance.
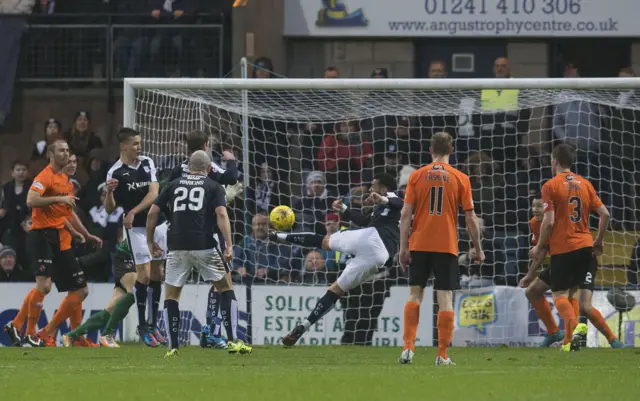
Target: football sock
(93, 323)
(411, 320)
(323, 306)
(120, 311)
(576, 306)
(445, 332)
(156, 292)
(601, 324)
(229, 311)
(565, 309)
(75, 320)
(172, 317)
(212, 302)
(303, 239)
(68, 305)
(21, 317)
(141, 300)
(217, 324)
(35, 307)
(543, 309)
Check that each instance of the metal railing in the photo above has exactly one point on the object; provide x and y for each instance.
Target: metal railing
(101, 49)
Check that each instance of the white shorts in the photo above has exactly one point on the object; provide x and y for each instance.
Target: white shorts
(179, 264)
(369, 255)
(137, 237)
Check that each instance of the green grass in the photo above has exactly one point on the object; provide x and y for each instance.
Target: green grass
(317, 373)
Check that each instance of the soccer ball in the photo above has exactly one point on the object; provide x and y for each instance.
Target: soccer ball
(282, 218)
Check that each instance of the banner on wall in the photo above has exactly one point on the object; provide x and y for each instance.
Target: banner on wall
(462, 18)
(277, 310)
(193, 306)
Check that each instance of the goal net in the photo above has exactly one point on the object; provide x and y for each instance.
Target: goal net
(305, 143)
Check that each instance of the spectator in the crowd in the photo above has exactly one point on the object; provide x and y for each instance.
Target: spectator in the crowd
(266, 191)
(437, 69)
(10, 269)
(311, 209)
(96, 172)
(263, 68)
(345, 157)
(379, 73)
(331, 72)
(51, 127)
(314, 270)
(169, 12)
(13, 209)
(129, 46)
(391, 160)
(258, 258)
(81, 138)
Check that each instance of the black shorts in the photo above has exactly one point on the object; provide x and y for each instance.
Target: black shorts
(122, 264)
(443, 265)
(545, 276)
(49, 261)
(573, 269)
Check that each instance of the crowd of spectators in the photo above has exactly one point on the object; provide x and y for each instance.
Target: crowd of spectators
(494, 144)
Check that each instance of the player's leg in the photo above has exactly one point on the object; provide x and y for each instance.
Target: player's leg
(142, 258)
(94, 323)
(178, 269)
(591, 313)
(369, 253)
(68, 277)
(446, 280)
(155, 283)
(419, 273)
(211, 332)
(535, 294)
(565, 275)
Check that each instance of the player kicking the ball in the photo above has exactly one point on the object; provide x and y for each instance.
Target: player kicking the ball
(196, 204)
(434, 194)
(568, 199)
(372, 246)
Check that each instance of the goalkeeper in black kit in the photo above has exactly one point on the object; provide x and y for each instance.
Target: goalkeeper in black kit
(198, 140)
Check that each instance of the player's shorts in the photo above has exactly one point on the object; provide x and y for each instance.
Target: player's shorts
(586, 284)
(444, 267)
(49, 261)
(122, 264)
(179, 264)
(571, 269)
(137, 237)
(369, 255)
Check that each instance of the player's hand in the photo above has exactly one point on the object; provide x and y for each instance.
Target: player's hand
(598, 248)
(374, 198)
(405, 259)
(233, 191)
(228, 155)
(155, 14)
(112, 184)
(128, 220)
(526, 280)
(227, 255)
(78, 237)
(178, 13)
(155, 250)
(537, 253)
(337, 205)
(97, 242)
(68, 200)
(479, 257)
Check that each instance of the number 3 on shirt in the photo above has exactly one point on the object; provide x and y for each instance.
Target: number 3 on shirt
(576, 215)
(195, 199)
(436, 196)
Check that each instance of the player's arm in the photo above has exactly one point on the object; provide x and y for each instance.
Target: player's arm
(109, 200)
(222, 218)
(353, 216)
(228, 176)
(473, 228)
(152, 221)
(603, 223)
(35, 199)
(405, 225)
(74, 233)
(471, 220)
(546, 228)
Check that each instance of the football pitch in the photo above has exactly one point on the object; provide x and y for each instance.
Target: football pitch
(317, 373)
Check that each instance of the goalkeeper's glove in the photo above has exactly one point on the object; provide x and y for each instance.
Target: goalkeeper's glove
(233, 191)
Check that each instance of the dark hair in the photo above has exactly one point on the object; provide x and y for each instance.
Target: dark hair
(126, 133)
(563, 154)
(438, 61)
(441, 143)
(386, 181)
(535, 196)
(196, 140)
(17, 163)
(331, 69)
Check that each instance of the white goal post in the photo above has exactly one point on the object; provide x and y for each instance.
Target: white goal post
(303, 142)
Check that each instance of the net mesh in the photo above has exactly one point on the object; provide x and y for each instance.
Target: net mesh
(308, 147)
